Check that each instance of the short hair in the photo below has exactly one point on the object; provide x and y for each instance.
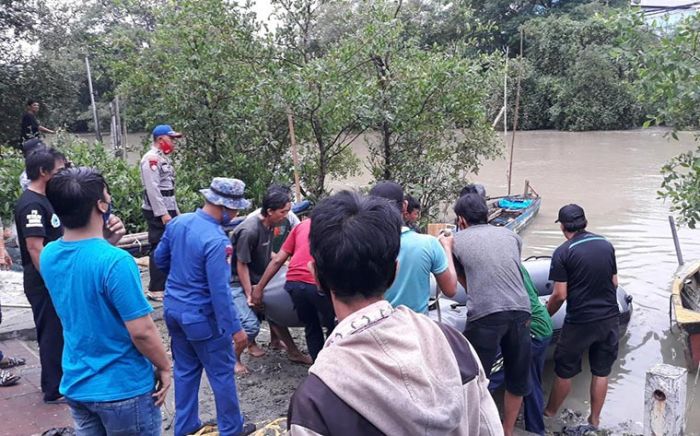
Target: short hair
(389, 190)
(473, 188)
(276, 197)
(31, 101)
(355, 242)
(73, 193)
(42, 159)
(575, 226)
(472, 207)
(412, 203)
(31, 145)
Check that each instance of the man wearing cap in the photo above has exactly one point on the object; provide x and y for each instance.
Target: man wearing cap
(198, 308)
(584, 272)
(159, 204)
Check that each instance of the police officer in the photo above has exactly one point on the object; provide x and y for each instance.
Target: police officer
(198, 309)
(159, 204)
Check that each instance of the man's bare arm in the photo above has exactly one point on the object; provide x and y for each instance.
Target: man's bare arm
(35, 245)
(275, 264)
(145, 337)
(244, 278)
(557, 298)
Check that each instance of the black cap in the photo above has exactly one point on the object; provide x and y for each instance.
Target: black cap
(392, 191)
(571, 213)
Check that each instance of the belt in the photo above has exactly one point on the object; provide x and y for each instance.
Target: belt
(164, 193)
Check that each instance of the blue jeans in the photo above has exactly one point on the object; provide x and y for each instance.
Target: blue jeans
(533, 404)
(137, 416)
(249, 320)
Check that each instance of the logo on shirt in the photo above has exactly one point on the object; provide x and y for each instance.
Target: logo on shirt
(55, 221)
(229, 254)
(34, 219)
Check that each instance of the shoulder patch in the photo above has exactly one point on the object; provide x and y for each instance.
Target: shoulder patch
(55, 221)
(34, 219)
(153, 163)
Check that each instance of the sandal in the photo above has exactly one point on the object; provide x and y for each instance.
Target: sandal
(155, 295)
(8, 379)
(11, 362)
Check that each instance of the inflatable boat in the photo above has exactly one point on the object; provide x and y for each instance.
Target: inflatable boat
(453, 311)
(279, 307)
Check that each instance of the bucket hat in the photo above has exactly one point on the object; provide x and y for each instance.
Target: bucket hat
(227, 193)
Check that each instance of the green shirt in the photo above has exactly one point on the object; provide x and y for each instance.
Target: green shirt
(540, 323)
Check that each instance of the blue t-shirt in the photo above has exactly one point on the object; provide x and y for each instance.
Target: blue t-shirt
(95, 288)
(419, 256)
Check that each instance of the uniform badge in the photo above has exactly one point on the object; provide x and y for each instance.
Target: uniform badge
(34, 220)
(153, 163)
(55, 221)
(229, 254)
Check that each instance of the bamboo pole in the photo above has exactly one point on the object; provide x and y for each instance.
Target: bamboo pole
(516, 114)
(295, 155)
(98, 135)
(505, 104)
(676, 241)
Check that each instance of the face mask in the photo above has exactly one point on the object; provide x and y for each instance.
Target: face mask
(226, 218)
(166, 147)
(108, 213)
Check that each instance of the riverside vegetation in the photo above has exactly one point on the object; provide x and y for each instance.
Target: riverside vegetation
(421, 81)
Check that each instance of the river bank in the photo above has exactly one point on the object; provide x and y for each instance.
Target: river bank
(614, 176)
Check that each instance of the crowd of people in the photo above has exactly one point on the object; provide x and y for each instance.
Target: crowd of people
(358, 274)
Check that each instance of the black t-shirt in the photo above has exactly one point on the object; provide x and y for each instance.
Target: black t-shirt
(30, 126)
(252, 243)
(35, 216)
(586, 263)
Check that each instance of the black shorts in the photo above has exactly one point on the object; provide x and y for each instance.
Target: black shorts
(600, 338)
(508, 332)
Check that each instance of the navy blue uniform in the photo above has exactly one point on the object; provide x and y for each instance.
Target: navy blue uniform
(201, 318)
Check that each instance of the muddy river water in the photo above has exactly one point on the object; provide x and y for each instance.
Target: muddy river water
(615, 177)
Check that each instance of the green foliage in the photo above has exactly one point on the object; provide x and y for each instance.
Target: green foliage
(681, 185)
(573, 79)
(203, 69)
(11, 166)
(669, 79)
(426, 107)
(123, 178)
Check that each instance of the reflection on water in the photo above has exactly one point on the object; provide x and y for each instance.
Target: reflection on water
(614, 176)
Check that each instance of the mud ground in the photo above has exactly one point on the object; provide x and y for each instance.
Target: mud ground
(264, 393)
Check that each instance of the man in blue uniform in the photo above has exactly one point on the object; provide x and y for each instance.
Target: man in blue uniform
(199, 310)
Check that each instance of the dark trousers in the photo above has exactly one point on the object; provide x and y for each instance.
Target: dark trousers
(509, 330)
(49, 334)
(533, 403)
(315, 310)
(155, 232)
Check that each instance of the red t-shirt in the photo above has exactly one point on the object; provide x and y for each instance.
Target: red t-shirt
(297, 244)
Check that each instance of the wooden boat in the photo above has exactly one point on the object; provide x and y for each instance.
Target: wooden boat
(685, 303)
(514, 212)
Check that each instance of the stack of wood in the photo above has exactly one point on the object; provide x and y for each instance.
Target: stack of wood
(135, 243)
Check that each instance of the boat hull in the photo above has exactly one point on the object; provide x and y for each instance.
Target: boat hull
(685, 300)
